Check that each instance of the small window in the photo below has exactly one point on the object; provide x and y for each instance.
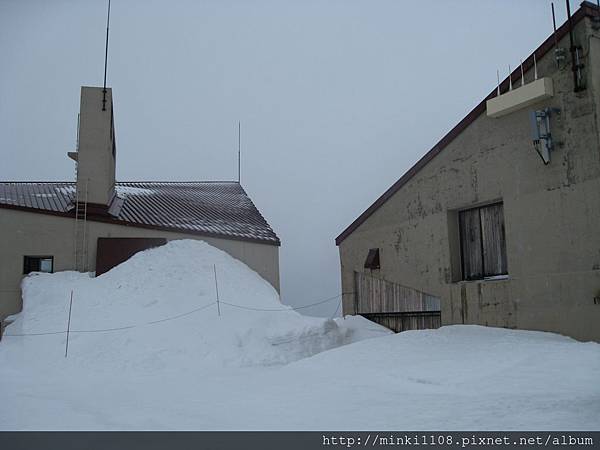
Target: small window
(372, 261)
(483, 242)
(38, 264)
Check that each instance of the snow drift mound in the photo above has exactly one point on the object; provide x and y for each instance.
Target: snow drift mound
(158, 310)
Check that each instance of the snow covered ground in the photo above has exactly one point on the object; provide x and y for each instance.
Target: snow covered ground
(149, 350)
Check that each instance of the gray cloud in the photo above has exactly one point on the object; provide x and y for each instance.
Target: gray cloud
(337, 99)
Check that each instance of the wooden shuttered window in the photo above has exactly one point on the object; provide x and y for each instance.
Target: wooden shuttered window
(470, 244)
(483, 242)
(494, 241)
(372, 261)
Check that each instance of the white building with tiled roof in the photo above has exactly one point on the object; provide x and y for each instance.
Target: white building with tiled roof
(94, 223)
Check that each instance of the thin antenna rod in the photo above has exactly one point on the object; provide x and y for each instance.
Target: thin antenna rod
(239, 152)
(522, 74)
(534, 68)
(105, 59)
(498, 76)
(509, 79)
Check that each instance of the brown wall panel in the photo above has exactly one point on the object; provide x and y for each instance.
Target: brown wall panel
(113, 251)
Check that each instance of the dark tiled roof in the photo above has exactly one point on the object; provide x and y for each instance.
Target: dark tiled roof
(221, 209)
(587, 9)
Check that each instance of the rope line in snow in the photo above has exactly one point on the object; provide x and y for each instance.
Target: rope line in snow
(104, 330)
(336, 309)
(282, 309)
(35, 334)
(183, 315)
(113, 329)
(178, 316)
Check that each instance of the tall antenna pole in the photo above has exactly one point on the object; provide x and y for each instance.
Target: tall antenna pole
(239, 152)
(105, 59)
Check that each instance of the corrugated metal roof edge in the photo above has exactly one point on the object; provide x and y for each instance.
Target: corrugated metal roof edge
(118, 182)
(586, 9)
(274, 241)
(177, 182)
(258, 211)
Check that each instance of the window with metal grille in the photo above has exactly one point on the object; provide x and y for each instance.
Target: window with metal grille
(372, 261)
(38, 264)
(482, 242)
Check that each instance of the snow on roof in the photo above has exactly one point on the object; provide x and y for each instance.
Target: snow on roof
(209, 208)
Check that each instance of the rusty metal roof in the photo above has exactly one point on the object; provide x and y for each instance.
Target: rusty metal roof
(212, 208)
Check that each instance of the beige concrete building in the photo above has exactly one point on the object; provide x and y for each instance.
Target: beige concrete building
(95, 222)
(499, 223)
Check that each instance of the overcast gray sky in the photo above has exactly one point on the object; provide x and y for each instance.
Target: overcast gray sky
(337, 99)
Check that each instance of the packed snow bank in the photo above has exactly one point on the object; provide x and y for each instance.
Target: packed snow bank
(177, 364)
(159, 308)
(456, 378)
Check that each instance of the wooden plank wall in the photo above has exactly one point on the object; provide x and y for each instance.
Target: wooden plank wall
(407, 321)
(375, 295)
(394, 306)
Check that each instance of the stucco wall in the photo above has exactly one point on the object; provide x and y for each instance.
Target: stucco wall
(26, 233)
(552, 216)
(96, 163)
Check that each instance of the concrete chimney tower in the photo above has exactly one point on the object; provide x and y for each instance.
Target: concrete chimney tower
(96, 155)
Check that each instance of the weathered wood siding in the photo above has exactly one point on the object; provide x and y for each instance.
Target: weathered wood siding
(494, 245)
(483, 242)
(470, 239)
(394, 306)
(374, 295)
(407, 321)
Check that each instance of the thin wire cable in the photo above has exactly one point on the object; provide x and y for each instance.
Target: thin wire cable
(337, 309)
(104, 330)
(182, 315)
(178, 316)
(34, 334)
(280, 309)
(115, 329)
